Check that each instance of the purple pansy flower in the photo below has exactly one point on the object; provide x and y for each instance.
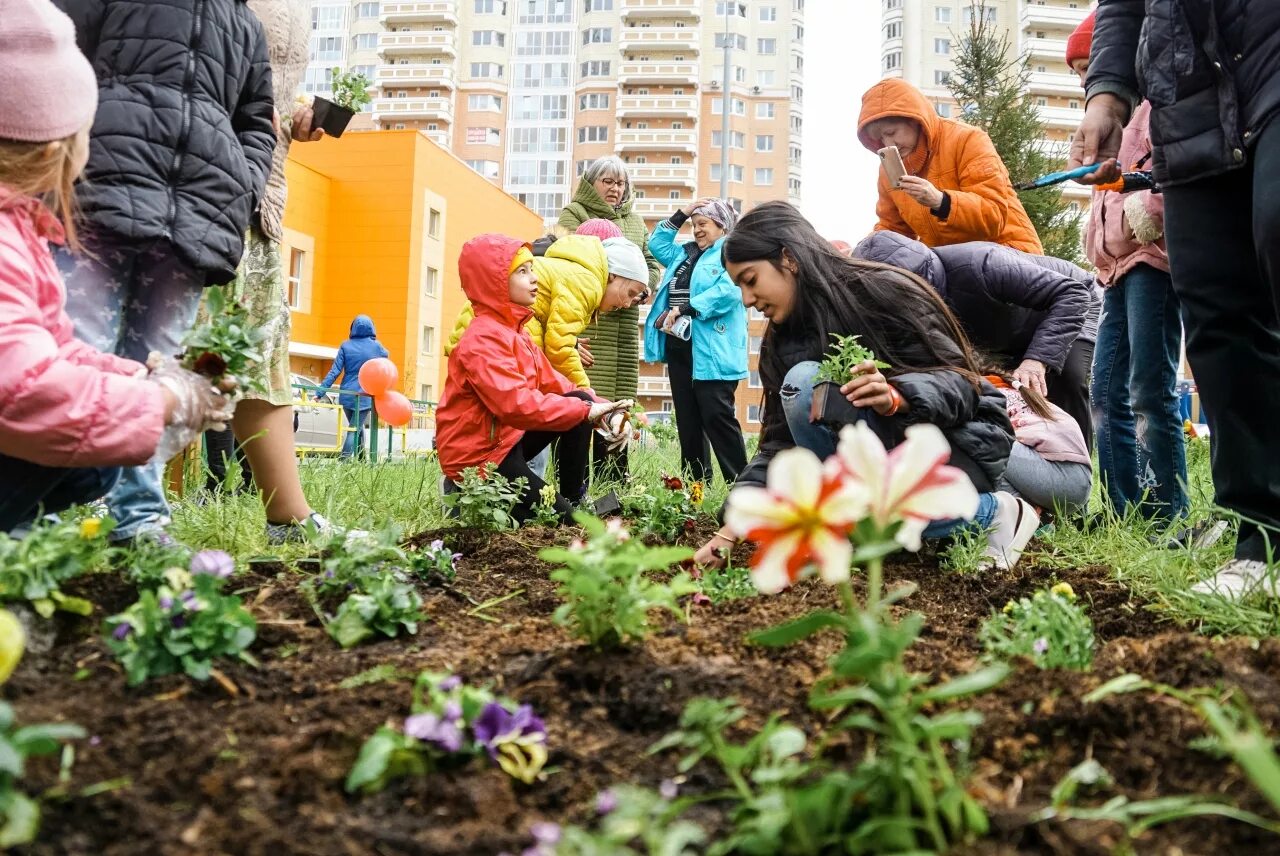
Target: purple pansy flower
(668, 789)
(215, 563)
(449, 684)
(430, 728)
(166, 602)
(496, 725)
(179, 621)
(606, 802)
(437, 545)
(546, 834)
(328, 575)
(1041, 645)
(121, 632)
(452, 711)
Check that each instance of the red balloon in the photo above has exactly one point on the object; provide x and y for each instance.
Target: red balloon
(378, 376)
(394, 409)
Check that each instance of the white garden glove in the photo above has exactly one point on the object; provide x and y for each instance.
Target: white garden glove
(615, 428)
(601, 409)
(201, 406)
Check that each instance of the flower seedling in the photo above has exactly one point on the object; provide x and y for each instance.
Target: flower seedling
(350, 89)
(19, 813)
(630, 821)
(666, 514)
(485, 498)
(52, 553)
(381, 606)
(1050, 627)
(185, 624)
(732, 582)
(449, 724)
(227, 344)
(435, 563)
(836, 369)
(605, 586)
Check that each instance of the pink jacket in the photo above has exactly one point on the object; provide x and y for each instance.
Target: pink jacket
(1110, 244)
(1057, 439)
(62, 404)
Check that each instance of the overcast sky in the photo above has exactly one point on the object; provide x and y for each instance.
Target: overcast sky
(841, 60)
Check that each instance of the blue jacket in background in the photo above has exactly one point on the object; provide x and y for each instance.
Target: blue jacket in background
(719, 332)
(354, 353)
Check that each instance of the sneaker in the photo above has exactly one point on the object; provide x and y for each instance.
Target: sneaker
(155, 538)
(1015, 523)
(1201, 536)
(1238, 578)
(296, 532)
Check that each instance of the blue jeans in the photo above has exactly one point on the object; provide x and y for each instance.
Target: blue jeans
(349, 441)
(1142, 454)
(797, 398)
(130, 298)
(27, 489)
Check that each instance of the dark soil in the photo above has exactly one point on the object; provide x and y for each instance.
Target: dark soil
(256, 765)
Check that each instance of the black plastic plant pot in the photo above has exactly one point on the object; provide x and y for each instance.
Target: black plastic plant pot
(608, 504)
(329, 116)
(830, 408)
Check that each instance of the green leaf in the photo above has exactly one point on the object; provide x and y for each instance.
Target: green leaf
(785, 741)
(74, 605)
(349, 628)
(970, 684)
(10, 758)
(801, 628)
(878, 550)
(44, 607)
(21, 821)
(45, 739)
(1118, 686)
(371, 764)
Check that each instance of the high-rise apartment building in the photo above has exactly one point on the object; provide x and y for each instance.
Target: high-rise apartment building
(918, 38)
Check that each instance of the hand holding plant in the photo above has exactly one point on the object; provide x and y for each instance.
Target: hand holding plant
(226, 347)
(847, 352)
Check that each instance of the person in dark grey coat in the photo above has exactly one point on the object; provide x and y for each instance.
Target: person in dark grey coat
(179, 156)
(1036, 316)
(1211, 70)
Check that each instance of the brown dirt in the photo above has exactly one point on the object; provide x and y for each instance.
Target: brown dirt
(261, 771)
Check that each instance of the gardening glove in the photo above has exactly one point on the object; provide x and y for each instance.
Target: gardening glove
(200, 406)
(615, 428)
(601, 409)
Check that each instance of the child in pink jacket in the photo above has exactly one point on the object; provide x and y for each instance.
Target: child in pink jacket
(1141, 452)
(70, 416)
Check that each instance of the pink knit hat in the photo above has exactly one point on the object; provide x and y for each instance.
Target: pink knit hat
(599, 228)
(41, 68)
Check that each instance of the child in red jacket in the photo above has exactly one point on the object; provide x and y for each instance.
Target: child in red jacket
(503, 402)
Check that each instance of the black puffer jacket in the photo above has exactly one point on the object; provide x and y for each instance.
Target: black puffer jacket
(1012, 304)
(1210, 68)
(183, 137)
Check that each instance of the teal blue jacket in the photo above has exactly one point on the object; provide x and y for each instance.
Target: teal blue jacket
(719, 335)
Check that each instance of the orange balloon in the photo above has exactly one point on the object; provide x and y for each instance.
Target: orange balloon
(378, 376)
(393, 408)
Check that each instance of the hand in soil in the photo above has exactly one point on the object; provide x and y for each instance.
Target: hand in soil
(711, 554)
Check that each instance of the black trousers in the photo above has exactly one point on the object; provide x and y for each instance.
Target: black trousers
(1069, 388)
(706, 418)
(221, 454)
(28, 489)
(1223, 235)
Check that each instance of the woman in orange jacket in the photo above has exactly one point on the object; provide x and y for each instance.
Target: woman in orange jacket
(956, 188)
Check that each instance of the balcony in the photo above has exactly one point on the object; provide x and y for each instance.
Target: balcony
(416, 74)
(1061, 118)
(658, 72)
(684, 39)
(679, 175)
(1050, 49)
(1035, 16)
(678, 106)
(416, 109)
(657, 141)
(430, 12)
(658, 209)
(1055, 83)
(657, 386)
(660, 9)
(419, 42)
(440, 138)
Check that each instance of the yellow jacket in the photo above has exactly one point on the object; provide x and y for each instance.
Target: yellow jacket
(571, 280)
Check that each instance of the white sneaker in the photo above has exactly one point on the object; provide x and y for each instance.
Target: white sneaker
(282, 533)
(1238, 578)
(1015, 523)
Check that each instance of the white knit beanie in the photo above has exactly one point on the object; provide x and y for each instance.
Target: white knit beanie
(626, 260)
(48, 90)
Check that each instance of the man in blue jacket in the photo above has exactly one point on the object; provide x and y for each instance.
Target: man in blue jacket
(362, 346)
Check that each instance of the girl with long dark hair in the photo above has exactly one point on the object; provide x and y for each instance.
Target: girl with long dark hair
(810, 293)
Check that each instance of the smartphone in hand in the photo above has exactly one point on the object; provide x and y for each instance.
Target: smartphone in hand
(892, 163)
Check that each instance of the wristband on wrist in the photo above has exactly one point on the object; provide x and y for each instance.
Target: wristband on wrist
(724, 537)
(897, 401)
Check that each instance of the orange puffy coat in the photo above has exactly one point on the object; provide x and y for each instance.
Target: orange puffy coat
(959, 160)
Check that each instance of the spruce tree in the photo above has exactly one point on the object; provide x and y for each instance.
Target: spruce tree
(989, 84)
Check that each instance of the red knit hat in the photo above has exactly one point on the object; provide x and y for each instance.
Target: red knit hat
(1079, 42)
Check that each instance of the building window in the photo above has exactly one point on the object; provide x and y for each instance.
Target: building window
(765, 77)
(892, 4)
(942, 47)
(366, 41)
(485, 38)
(433, 223)
(328, 18)
(735, 172)
(597, 36)
(593, 134)
(431, 285)
(366, 10)
(599, 6)
(737, 41)
(486, 69)
(753, 381)
(768, 13)
(766, 47)
(966, 14)
(1073, 104)
(731, 8)
(490, 7)
(326, 49)
(737, 140)
(764, 110)
(753, 413)
(941, 78)
(594, 101)
(753, 345)
(764, 142)
(893, 31)
(484, 102)
(428, 340)
(739, 106)
(428, 393)
(296, 259)
(764, 176)
(942, 14)
(892, 60)
(487, 168)
(943, 109)
(484, 136)
(596, 68)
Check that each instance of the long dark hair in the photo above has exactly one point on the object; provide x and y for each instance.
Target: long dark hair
(895, 313)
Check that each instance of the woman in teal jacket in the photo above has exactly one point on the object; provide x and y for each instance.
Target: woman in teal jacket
(698, 327)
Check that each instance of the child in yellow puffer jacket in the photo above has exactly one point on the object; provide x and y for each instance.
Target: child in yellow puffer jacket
(579, 277)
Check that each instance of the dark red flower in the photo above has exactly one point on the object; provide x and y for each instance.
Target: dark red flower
(688, 525)
(210, 364)
(672, 483)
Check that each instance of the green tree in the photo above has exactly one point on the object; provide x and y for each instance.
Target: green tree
(989, 83)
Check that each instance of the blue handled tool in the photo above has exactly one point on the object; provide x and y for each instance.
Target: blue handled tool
(1057, 177)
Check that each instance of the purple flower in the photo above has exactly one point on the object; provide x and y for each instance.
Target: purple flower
(457, 556)
(179, 621)
(496, 725)
(121, 632)
(95, 740)
(166, 602)
(546, 834)
(437, 545)
(191, 601)
(452, 711)
(668, 789)
(215, 563)
(432, 729)
(449, 684)
(606, 802)
(328, 575)
(1041, 645)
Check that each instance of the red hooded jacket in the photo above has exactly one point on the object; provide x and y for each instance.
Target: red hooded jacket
(499, 384)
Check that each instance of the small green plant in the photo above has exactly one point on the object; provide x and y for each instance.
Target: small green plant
(666, 514)
(347, 560)
(227, 344)
(544, 513)
(732, 582)
(449, 724)
(485, 498)
(965, 552)
(605, 587)
(350, 89)
(435, 563)
(19, 813)
(381, 606)
(634, 821)
(846, 353)
(34, 568)
(1050, 627)
(184, 624)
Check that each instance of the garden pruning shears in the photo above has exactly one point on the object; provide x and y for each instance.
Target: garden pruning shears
(1057, 177)
(1129, 182)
